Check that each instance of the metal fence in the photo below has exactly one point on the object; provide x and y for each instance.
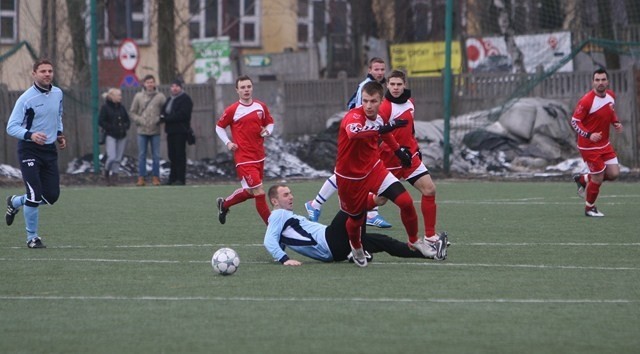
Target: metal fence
(303, 107)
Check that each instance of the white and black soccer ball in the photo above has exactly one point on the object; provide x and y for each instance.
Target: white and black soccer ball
(225, 261)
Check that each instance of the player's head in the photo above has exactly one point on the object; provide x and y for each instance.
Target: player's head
(149, 83)
(372, 93)
(396, 83)
(43, 72)
(600, 82)
(377, 68)
(244, 88)
(42, 61)
(280, 197)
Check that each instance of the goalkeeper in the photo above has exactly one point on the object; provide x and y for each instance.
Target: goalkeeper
(326, 243)
(36, 121)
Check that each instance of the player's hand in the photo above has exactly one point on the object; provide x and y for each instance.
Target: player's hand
(39, 138)
(595, 137)
(618, 127)
(232, 146)
(264, 132)
(62, 141)
(404, 155)
(292, 262)
(391, 126)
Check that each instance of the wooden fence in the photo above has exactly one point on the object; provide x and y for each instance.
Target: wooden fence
(303, 107)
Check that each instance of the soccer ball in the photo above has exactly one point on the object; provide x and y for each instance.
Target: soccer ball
(225, 261)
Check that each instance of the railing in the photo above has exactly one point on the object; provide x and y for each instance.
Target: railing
(303, 107)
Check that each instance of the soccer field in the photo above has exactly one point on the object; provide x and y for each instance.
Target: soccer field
(127, 270)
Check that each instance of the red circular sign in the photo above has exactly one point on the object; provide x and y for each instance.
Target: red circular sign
(128, 54)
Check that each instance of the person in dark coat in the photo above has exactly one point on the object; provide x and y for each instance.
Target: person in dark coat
(176, 116)
(115, 122)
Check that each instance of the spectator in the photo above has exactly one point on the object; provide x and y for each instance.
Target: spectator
(115, 122)
(176, 116)
(145, 113)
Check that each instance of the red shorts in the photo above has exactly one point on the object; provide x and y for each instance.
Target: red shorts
(353, 193)
(250, 174)
(595, 159)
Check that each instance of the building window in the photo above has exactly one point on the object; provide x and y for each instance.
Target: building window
(312, 21)
(120, 19)
(237, 19)
(8, 21)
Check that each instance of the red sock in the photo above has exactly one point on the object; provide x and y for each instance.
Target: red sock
(408, 215)
(262, 207)
(237, 197)
(593, 189)
(429, 208)
(353, 231)
(371, 202)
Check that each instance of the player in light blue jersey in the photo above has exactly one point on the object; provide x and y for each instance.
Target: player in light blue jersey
(36, 121)
(325, 243)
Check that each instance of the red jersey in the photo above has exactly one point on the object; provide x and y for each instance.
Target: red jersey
(594, 114)
(246, 123)
(357, 145)
(404, 136)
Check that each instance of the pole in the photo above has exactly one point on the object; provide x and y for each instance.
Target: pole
(94, 86)
(448, 25)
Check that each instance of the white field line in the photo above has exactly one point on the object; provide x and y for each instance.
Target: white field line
(376, 264)
(538, 201)
(319, 299)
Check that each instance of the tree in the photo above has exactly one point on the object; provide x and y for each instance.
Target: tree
(76, 21)
(166, 41)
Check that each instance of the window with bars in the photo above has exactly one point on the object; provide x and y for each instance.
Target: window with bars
(237, 19)
(120, 19)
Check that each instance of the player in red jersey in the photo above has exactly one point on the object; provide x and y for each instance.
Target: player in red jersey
(591, 119)
(250, 123)
(398, 104)
(360, 172)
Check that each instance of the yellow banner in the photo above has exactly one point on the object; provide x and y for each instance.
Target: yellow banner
(424, 59)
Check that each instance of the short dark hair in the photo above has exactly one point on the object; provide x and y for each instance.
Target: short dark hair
(41, 61)
(373, 87)
(600, 71)
(148, 77)
(399, 74)
(273, 191)
(376, 60)
(243, 78)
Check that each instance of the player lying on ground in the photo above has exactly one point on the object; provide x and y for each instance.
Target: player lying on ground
(327, 243)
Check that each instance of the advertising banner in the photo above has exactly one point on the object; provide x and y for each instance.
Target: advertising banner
(212, 60)
(490, 54)
(424, 59)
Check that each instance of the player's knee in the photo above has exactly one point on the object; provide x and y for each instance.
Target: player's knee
(50, 197)
(380, 201)
(428, 190)
(612, 175)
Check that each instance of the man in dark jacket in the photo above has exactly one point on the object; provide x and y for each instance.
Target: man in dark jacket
(176, 115)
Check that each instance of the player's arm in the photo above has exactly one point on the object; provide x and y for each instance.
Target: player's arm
(14, 125)
(272, 240)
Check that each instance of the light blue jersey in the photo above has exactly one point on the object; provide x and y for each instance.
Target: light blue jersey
(287, 229)
(356, 99)
(37, 111)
